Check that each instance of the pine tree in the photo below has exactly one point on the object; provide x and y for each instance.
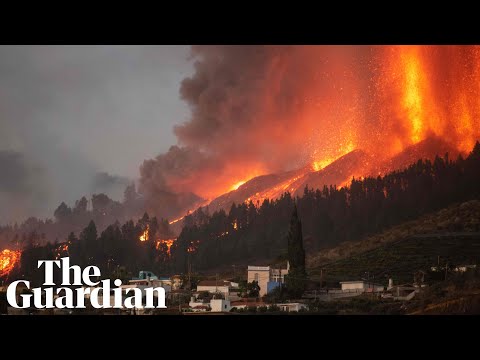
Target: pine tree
(296, 278)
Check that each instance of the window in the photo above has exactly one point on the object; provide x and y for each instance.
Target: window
(225, 306)
(256, 277)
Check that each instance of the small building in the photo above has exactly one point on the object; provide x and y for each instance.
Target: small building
(361, 286)
(268, 278)
(287, 307)
(464, 268)
(145, 279)
(217, 286)
(245, 303)
(200, 308)
(215, 305)
(220, 305)
(292, 307)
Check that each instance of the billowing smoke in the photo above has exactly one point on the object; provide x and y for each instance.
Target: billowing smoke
(262, 109)
(251, 115)
(112, 185)
(72, 111)
(27, 184)
(22, 185)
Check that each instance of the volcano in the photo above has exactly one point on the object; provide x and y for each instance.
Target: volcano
(426, 149)
(340, 172)
(354, 164)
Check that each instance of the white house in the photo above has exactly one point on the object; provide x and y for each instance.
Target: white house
(289, 307)
(220, 305)
(267, 277)
(143, 284)
(361, 286)
(215, 305)
(217, 286)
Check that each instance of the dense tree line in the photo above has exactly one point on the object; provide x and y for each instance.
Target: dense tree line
(103, 211)
(329, 216)
(117, 250)
(249, 233)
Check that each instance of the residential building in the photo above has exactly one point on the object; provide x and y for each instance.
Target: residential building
(361, 286)
(287, 307)
(145, 280)
(290, 307)
(220, 305)
(215, 305)
(217, 286)
(268, 278)
(464, 268)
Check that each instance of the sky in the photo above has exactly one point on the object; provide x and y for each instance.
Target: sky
(77, 120)
(69, 112)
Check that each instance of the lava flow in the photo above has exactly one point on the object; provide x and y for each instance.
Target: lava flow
(8, 260)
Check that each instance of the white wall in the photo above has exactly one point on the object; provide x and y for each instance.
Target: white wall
(213, 289)
(263, 278)
(353, 286)
(220, 305)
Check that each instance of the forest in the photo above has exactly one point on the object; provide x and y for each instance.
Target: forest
(252, 233)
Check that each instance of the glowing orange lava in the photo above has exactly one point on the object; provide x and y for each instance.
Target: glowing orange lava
(237, 185)
(342, 150)
(429, 90)
(176, 220)
(8, 260)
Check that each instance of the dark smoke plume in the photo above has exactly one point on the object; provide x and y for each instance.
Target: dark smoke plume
(264, 109)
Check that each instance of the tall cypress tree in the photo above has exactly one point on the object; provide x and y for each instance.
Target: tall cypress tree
(296, 278)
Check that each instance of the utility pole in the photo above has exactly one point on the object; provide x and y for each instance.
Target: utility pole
(189, 269)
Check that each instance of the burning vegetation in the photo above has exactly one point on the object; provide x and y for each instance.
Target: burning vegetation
(8, 261)
(144, 236)
(165, 242)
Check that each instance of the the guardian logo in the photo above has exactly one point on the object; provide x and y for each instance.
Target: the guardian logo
(81, 278)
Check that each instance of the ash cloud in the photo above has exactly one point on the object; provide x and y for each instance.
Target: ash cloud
(266, 109)
(251, 114)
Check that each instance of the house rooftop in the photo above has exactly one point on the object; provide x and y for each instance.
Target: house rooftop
(247, 303)
(214, 283)
(258, 268)
(360, 281)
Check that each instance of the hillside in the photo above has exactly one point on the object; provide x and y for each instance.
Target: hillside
(451, 234)
(426, 149)
(356, 163)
